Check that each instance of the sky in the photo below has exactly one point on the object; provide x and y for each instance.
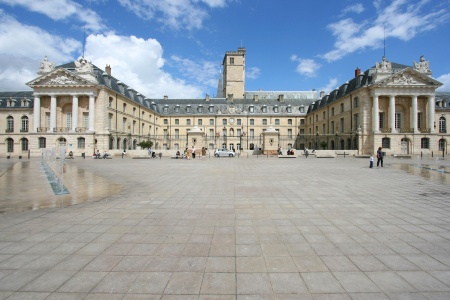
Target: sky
(176, 47)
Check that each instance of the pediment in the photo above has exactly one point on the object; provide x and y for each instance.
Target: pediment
(60, 77)
(408, 77)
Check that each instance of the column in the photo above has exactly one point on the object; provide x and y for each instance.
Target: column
(375, 116)
(431, 112)
(91, 112)
(414, 113)
(74, 112)
(392, 113)
(36, 113)
(52, 113)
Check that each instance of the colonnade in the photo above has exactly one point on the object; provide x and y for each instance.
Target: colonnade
(53, 105)
(414, 111)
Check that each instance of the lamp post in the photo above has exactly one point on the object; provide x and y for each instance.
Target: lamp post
(225, 136)
(317, 139)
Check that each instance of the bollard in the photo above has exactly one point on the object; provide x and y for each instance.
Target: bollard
(431, 153)
(421, 154)
(442, 152)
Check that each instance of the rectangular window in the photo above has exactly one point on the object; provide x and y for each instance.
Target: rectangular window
(188, 122)
(398, 120)
(165, 133)
(419, 120)
(302, 109)
(252, 121)
(332, 127)
(264, 121)
(342, 107)
(24, 124)
(124, 124)
(355, 122)
(85, 120)
(381, 120)
(81, 143)
(277, 121)
(134, 126)
(251, 109)
(289, 121)
(166, 121)
(177, 133)
(356, 102)
(342, 125)
(239, 122)
(110, 102)
(134, 111)
(386, 143)
(24, 145)
(69, 120)
(224, 121)
(211, 133)
(110, 119)
(211, 122)
(124, 107)
(231, 60)
(332, 111)
(238, 132)
(200, 122)
(425, 143)
(323, 129)
(42, 142)
(302, 121)
(177, 121)
(252, 133)
(289, 133)
(323, 115)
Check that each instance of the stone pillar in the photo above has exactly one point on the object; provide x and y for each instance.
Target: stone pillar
(414, 113)
(37, 113)
(52, 113)
(431, 112)
(375, 120)
(91, 112)
(392, 113)
(74, 112)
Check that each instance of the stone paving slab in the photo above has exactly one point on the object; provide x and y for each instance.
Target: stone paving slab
(228, 228)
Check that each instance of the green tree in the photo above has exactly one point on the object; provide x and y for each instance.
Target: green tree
(145, 144)
(323, 144)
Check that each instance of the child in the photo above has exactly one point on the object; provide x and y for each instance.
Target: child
(371, 161)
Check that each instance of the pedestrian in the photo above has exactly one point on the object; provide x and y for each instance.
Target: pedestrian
(193, 152)
(379, 157)
(124, 152)
(371, 161)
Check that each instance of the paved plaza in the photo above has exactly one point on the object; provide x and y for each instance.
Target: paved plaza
(226, 228)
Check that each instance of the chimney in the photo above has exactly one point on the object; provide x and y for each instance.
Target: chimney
(357, 72)
(230, 97)
(322, 94)
(207, 98)
(166, 97)
(108, 70)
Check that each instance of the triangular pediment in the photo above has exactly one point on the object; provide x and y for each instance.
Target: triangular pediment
(408, 77)
(60, 77)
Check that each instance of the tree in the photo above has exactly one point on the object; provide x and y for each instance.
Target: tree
(145, 144)
(323, 144)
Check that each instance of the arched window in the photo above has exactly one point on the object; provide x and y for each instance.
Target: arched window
(9, 124)
(111, 143)
(24, 144)
(24, 124)
(442, 125)
(9, 145)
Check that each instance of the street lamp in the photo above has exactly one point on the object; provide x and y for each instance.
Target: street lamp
(317, 138)
(225, 136)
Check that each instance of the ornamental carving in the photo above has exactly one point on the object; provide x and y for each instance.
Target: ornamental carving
(62, 79)
(404, 79)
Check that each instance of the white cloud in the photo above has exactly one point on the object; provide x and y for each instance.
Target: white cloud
(445, 79)
(139, 63)
(179, 14)
(399, 19)
(252, 73)
(204, 74)
(306, 66)
(60, 10)
(353, 8)
(330, 86)
(23, 47)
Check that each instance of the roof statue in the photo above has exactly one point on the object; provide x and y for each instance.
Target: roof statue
(83, 66)
(423, 66)
(384, 65)
(46, 66)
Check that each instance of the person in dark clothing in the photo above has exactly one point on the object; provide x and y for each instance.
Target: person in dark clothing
(379, 157)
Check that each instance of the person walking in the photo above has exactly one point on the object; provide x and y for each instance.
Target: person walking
(193, 152)
(379, 157)
(371, 161)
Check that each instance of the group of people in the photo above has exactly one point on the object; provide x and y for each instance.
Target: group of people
(379, 158)
(190, 153)
(288, 152)
(98, 155)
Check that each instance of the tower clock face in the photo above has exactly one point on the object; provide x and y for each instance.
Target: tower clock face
(231, 120)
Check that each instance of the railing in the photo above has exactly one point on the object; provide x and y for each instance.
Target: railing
(406, 130)
(385, 130)
(42, 129)
(81, 129)
(9, 130)
(424, 130)
(61, 129)
(442, 130)
(24, 130)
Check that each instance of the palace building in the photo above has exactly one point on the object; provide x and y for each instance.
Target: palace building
(86, 109)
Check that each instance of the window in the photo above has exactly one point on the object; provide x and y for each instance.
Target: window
(342, 125)
(289, 133)
(386, 143)
(69, 120)
(251, 108)
(275, 109)
(264, 121)
(165, 109)
(332, 111)
(110, 102)
(289, 121)
(211, 121)
(238, 132)
(342, 107)
(211, 108)
(9, 145)
(252, 133)
(47, 119)
(252, 121)
(85, 120)
(124, 124)
(200, 109)
(177, 133)
(188, 122)
(425, 143)
(134, 126)
(380, 120)
(188, 109)
(231, 60)
(166, 121)
(239, 122)
(323, 129)
(165, 133)
(24, 145)
(355, 122)
(277, 121)
(42, 142)
(224, 121)
(177, 121)
(264, 109)
(177, 108)
(24, 124)
(110, 119)
(302, 121)
(441, 145)
(9, 124)
(442, 125)
(356, 102)
(398, 120)
(211, 133)
(289, 109)
(317, 118)
(81, 142)
(323, 115)
(332, 127)
(124, 108)
(200, 122)
(419, 120)
(302, 109)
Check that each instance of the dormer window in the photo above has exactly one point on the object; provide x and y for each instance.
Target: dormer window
(10, 102)
(211, 108)
(166, 109)
(177, 108)
(302, 109)
(275, 109)
(200, 109)
(264, 109)
(188, 109)
(289, 109)
(251, 108)
(24, 102)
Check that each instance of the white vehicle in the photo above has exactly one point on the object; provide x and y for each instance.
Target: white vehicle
(224, 152)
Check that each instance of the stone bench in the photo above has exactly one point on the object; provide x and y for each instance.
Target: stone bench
(286, 156)
(325, 156)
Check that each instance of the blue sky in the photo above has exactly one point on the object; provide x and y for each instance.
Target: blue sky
(175, 47)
